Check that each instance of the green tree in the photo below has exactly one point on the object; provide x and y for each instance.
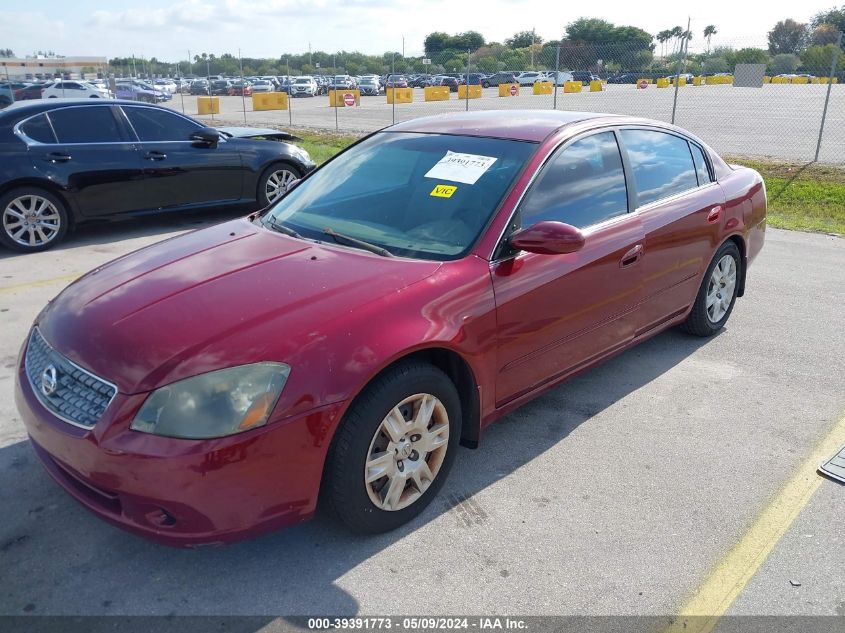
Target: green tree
(663, 37)
(436, 42)
(523, 39)
(751, 56)
(784, 63)
(834, 17)
(709, 31)
(787, 36)
(818, 59)
(824, 34)
(714, 65)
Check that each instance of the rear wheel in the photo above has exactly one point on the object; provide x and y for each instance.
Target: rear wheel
(394, 448)
(717, 294)
(31, 219)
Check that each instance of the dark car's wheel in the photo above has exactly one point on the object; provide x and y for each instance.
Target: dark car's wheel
(31, 219)
(485, 85)
(394, 448)
(717, 294)
(275, 181)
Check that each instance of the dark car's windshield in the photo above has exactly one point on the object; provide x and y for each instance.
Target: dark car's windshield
(416, 195)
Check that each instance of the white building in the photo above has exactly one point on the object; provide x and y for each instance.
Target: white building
(43, 67)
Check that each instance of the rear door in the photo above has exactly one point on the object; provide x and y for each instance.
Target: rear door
(179, 172)
(93, 157)
(558, 312)
(682, 212)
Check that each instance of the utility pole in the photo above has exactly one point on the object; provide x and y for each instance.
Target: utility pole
(310, 59)
(190, 64)
(836, 54)
(533, 35)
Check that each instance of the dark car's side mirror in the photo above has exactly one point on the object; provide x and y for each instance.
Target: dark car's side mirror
(206, 136)
(548, 238)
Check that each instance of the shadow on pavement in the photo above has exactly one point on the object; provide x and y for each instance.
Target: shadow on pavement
(57, 559)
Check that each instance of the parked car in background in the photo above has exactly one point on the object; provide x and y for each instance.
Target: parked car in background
(342, 82)
(303, 87)
(73, 90)
(133, 92)
(558, 78)
(263, 85)
(199, 87)
(220, 87)
(369, 86)
(499, 78)
(584, 76)
(30, 91)
(439, 316)
(474, 79)
(445, 80)
(165, 84)
(624, 78)
(78, 160)
(528, 78)
(240, 88)
(396, 81)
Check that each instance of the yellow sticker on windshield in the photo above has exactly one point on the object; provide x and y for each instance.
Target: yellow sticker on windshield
(443, 191)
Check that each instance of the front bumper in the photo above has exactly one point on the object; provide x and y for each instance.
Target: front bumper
(183, 493)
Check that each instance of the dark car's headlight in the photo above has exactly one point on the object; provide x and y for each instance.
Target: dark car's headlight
(215, 404)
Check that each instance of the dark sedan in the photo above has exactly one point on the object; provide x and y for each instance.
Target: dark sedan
(75, 160)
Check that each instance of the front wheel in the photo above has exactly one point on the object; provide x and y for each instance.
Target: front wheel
(274, 182)
(31, 219)
(394, 448)
(717, 294)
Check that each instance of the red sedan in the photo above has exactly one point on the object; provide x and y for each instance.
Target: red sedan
(423, 283)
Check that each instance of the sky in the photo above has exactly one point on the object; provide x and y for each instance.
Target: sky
(167, 29)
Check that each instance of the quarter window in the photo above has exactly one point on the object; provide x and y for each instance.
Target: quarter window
(582, 185)
(158, 125)
(86, 124)
(700, 164)
(38, 129)
(661, 162)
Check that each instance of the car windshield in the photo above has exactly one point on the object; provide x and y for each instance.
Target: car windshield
(425, 196)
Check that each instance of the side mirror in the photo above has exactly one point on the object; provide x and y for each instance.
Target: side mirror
(548, 238)
(206, 136)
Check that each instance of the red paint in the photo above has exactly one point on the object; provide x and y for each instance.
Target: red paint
(349, 99)
(236, 293)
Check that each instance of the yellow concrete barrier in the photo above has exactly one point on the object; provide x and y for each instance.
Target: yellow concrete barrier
(780, 80)
(800, 80)
(572, 86)
(208, 105)
(436, 93)
(662, 83)
(402, 95)
(543, 88)
(767, 79)
(696, 81)
(835, 80)
(596, 86)
(269, 101)
(340, 98)
(474, 92)
(508, 90)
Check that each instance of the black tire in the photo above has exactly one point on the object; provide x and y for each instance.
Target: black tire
(344, 488)
(699, 322)
(485, 85)
(261, 194)
(6, 234)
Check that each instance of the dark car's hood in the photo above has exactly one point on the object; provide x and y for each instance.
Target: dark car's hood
(258, 132)
(224, 296)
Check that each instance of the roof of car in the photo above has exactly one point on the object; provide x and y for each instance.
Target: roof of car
(522, 125)
(21, 109)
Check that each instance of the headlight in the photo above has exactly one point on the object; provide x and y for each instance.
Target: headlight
(215, 404)
(296, 150)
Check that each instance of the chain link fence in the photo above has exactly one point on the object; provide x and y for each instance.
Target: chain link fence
(741, 99)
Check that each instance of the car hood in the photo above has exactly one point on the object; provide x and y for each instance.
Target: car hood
(258, 132)
(218, 297)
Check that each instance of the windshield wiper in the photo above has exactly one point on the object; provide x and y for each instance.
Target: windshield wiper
(338, 237)
(281, 228)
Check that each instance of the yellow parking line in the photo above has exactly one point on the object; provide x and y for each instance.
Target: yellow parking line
(730, 576)
(39, 283)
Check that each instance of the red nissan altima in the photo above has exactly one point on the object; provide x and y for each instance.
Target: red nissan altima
(340, 344)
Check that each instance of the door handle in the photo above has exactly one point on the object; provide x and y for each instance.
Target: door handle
(155, 155)
(632, 256)
(715, 214)
(58, 157)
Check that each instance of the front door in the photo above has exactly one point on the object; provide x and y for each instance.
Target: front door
(558, 312)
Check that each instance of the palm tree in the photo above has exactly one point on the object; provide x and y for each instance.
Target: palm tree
(663, 37)
(709, 31)
(676, 33)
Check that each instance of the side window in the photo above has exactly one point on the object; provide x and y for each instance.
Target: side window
(582, 185)
(661, 162)
(700, 164)
(86, 124)
(70, 85)
(38, 129)
(159, 125)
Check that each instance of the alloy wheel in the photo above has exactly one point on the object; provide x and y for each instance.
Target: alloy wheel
(720, 289)
(277, 183)
(31, 220)
(407, 452)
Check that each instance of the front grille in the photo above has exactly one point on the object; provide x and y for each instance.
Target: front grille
(78, 396)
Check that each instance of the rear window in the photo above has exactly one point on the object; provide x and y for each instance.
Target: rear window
(661, 162)
(700, 164)
(86, 124)
(38, 129)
